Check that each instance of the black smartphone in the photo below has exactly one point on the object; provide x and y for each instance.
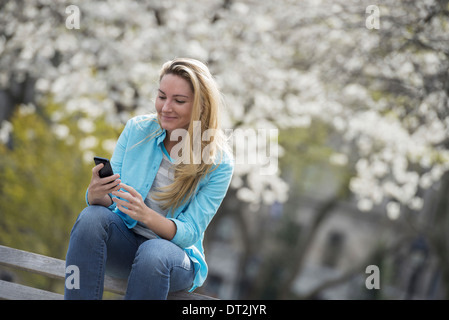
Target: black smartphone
(106, 171)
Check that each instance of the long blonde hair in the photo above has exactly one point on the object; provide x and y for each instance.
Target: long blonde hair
(207, 102)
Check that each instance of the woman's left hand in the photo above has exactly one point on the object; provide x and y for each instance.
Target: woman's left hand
(134, 206)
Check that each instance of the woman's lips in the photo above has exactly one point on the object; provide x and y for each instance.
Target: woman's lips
(167, 118)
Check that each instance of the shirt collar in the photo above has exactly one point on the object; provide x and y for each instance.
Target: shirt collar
(160, 138)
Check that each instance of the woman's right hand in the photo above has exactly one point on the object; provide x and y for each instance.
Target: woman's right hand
(99, 188)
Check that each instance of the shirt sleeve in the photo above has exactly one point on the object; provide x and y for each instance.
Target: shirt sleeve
(120, 149)
(194, 219)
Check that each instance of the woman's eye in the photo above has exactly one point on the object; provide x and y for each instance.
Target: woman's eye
(162, 98)
(180, 102)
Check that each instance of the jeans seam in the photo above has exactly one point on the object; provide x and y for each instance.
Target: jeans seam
(101, 271)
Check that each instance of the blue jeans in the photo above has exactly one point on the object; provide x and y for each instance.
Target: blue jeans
(101, 243)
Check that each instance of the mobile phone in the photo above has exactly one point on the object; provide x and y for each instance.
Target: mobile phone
(106, 171)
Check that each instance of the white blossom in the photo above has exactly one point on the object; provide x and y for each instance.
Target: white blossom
(5, 130)
(278, 63)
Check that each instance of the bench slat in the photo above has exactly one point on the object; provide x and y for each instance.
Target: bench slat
(32, 262)
(15, 291)
(182, 295)
(55, 268)
(48, 266)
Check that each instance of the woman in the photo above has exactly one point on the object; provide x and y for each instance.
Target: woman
(147, 221)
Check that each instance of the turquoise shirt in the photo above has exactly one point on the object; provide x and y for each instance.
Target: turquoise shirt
(137, 158)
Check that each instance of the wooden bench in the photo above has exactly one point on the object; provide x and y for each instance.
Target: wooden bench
(55, 268)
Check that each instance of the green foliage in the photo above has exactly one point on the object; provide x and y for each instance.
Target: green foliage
(43, 180)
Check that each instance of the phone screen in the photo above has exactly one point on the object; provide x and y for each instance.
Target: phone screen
(106, 171)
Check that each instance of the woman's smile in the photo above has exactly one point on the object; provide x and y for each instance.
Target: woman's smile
(168, 118)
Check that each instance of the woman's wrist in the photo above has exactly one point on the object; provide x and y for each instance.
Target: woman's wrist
(148, 217)
(106, 201)
(162, 226)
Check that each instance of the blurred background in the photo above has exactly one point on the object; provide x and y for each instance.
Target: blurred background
(358, 92)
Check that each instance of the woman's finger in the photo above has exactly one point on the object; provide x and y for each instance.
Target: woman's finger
(130, 189)
(97, 168)
(114, 186)
(110, 179)
(122, 203)
(122, 194)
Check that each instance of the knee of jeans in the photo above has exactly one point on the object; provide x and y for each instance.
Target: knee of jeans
(152, 255)
(93, 218)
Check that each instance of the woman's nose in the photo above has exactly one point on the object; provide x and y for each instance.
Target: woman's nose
(167, 106)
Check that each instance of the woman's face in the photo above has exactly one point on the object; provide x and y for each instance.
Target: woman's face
(174, 102)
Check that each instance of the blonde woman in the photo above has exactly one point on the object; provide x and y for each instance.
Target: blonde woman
(171, 172)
